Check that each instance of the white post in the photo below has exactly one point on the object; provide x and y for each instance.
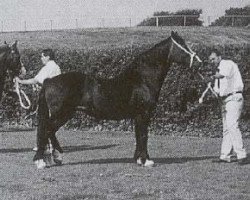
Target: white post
(51, 25)
(157, 22)
(185, 20)
(76, 24)
(25, 26)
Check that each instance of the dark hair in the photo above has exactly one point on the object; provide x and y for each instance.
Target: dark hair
(50, 53)
(216, 51)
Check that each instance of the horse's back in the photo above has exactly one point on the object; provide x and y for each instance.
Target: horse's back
(63, 90)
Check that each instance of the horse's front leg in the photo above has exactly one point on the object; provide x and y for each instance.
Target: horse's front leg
(141, 133)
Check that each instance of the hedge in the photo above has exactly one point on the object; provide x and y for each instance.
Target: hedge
(178, 110)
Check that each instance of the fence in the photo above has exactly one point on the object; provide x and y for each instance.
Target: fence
(9, 25)
(206, 20)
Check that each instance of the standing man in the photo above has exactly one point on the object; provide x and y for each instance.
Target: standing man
(229, 86)
(49, 70)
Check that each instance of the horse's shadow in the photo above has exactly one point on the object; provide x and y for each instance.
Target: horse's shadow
(167, 160)
(66, 149)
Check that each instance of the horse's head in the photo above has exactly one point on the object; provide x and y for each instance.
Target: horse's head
(179, 51)
(13, 61)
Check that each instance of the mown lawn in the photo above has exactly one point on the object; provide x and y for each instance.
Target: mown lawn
(119, 37)
(99, 165)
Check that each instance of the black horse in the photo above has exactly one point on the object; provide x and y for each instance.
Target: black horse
(10, 64)
(133, 94)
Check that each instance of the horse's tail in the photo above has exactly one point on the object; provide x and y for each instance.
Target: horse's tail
(43, 121)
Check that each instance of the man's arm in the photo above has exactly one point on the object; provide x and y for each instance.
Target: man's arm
(218, 76)
(27, 81)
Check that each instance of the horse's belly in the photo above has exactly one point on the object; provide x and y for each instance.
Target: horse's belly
(111, 112)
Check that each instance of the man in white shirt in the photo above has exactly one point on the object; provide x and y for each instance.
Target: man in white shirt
(49, 70)
(229, 86)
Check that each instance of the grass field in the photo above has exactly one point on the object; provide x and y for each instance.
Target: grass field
(99, 165)
(120, 37)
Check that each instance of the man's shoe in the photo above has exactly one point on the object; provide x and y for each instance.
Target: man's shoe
(218, 160)
(243, 161)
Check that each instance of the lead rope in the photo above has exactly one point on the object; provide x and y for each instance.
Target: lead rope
(209, 87)
(19, 93)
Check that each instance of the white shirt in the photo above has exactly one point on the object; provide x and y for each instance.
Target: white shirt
(232, 81)
(50, 70)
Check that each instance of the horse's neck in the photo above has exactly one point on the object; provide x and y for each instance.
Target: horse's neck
(3, 71)
(153, 65)
(2, 81)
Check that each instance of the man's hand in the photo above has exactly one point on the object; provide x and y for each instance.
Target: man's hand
(17, 79)
(209, 79)
(218, 75)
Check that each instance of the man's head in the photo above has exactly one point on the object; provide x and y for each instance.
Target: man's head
(215, 57)
(47, 55)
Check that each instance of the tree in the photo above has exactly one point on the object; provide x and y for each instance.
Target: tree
(240, 20)
(180, 18)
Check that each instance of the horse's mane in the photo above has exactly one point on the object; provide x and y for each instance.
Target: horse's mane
(162, 43)
(4, 48)
(129, 71)
(179, 40)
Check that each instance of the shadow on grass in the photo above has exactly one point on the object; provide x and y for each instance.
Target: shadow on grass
(173, 160)
(66, 149)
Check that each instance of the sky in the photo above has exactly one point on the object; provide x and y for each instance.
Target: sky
(39, 14)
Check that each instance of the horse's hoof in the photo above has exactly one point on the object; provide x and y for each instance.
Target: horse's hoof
(40, 164)
(148, 163)
(58, 161)
(57, 157)
(138, 161)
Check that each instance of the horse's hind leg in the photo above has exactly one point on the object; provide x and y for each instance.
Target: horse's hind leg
(56, 122)
(57, 152)
(141, 133)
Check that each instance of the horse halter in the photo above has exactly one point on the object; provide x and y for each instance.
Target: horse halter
(192, 56)
(190, 52)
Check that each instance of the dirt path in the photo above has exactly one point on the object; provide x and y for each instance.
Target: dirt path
(99, 165)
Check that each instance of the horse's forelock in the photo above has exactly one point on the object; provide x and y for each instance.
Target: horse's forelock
(4, 47)
(180, 41)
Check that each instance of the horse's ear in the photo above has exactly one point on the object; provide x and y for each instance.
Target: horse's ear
(14, 45)
(172, 33)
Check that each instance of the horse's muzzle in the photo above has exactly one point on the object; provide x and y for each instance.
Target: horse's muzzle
(22, 71)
